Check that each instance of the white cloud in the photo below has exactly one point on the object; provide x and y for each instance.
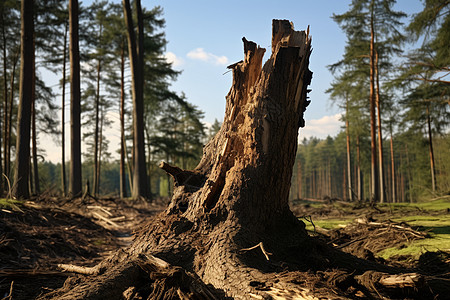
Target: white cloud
(173, 59)
(321, 128)
(200, 54)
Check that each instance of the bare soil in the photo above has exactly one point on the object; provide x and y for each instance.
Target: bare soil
(49, 231)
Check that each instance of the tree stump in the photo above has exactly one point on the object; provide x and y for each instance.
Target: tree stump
(228, 231)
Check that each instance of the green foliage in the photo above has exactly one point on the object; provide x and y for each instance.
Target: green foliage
(431, 61)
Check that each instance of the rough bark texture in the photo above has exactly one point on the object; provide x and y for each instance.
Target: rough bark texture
(228, 231)
(22, 166)
(135, 49)
(75, 103)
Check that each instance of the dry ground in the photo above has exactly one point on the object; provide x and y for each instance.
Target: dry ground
(45, 232)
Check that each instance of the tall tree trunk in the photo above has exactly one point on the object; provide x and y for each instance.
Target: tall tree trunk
(373, 127)
(7, 145)
(96, 130)
(140, 182)
(4, 117)
(36, 185)
(430, 142)
(382, 181)
(75, 103)
(349, 163)
(63, 118)
(393, 180)
(359, 173)
(123, 184)
(22, 166)
(100, 150)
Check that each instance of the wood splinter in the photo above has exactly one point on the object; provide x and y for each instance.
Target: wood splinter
(261, 246)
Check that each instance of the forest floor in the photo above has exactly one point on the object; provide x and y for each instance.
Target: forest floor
(37, 235)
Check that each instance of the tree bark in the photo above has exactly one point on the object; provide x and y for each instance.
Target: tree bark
(63, 118)
(228, 226)
(136, 52)
(349, 164)
(7, 144)
(382, 192)
(430, 142)
(96, 130)
(123, 184)
(374, 192)
(22, 165)
(75, 103)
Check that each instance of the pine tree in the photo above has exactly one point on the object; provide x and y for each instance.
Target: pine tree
(372, 29)
(22, 166)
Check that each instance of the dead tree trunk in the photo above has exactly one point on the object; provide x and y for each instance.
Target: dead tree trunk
(228, 230)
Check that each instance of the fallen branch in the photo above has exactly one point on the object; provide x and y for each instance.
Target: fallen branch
(101, 208)
(260, 245)
(105, 219)
(81, 270)
(370, 279)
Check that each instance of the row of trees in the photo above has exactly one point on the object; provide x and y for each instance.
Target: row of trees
(95, 49)
(321, 169)
(381, 87)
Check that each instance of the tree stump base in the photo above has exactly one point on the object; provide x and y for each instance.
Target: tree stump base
(203, 245)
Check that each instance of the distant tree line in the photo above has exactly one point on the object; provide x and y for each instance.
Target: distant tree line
(396, 107)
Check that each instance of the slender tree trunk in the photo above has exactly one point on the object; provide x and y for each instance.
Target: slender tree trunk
(36, 185)
(63, 118)
(430, 142)
(22, 166)
(382, 192)
(100, 150)
(359, 173)
(4, 118)
(7, 153)
(140, 182)
(373, 127)
(393, 179)
(123, 184)
(349, 163)
(75, 103)
(96, 130)
(409, 179)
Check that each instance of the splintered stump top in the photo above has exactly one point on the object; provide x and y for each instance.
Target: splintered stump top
(247, 166)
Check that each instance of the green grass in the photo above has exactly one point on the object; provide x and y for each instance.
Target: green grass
(438, 226)
(328, 223)
(433, 205)
(10, 204)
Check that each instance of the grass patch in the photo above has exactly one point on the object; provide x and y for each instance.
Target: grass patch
(439, 229)
(418, 247)
(328, 223)
(10, 204)
(434, 205)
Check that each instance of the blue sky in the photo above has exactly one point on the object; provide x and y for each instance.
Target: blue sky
(206, 36)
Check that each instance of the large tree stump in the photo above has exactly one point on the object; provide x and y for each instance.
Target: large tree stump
(228, 230)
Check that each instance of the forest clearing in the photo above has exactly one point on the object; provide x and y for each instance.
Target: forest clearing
(238, 209)
(82, 234)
